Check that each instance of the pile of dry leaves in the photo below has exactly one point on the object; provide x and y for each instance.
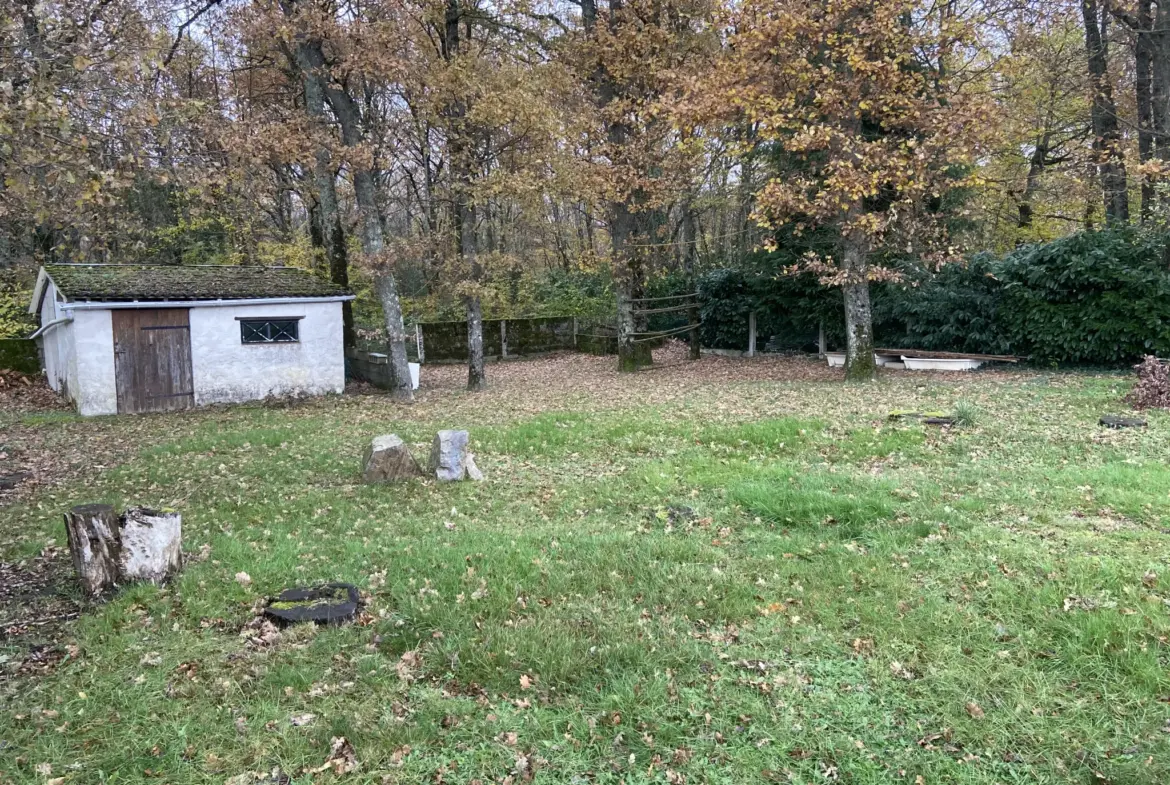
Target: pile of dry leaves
(21, 392)
(1152, 390)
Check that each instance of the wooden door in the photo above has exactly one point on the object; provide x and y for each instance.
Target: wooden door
(152, 360)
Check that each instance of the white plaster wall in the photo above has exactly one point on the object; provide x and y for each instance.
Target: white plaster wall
(226, 370)
(91, 362)
(59, 351)
(51, 342)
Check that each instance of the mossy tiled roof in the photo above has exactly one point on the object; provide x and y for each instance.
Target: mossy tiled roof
(146, 282)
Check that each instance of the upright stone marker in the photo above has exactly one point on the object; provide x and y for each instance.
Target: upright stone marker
(450, 460)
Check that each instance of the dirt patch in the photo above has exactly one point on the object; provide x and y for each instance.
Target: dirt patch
(38, 600)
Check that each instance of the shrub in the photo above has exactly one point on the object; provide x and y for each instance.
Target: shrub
(1094, 297)
(1099, 298)
(15, 320)
(956, 309)
(790, 308)
(1152, 390)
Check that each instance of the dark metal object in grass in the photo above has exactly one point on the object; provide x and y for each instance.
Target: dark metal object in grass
(928, 418)
(1115, 421)
(332, 603)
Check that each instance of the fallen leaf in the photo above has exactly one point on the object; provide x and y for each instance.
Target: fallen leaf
(342, 758)
(302, 719)
(901, 671)
(243, 578)
(975, 710)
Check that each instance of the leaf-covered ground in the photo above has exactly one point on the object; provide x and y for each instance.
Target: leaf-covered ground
(735, 571)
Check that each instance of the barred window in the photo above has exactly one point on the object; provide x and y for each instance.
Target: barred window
(283, 330)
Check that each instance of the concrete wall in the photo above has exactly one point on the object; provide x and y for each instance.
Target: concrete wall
(226, 370)
(51, 342)
(79, 356)
(90, 347)
(374, 367)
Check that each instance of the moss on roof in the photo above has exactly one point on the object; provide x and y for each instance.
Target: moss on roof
(122, 282)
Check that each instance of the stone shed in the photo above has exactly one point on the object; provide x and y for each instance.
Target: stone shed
(147, 338)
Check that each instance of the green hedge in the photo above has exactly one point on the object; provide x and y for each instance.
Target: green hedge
(19, 354)
(1095, 297)
(1099, 298)
(788, 308)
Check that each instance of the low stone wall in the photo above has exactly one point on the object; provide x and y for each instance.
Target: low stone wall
(369, 367)
(19, 354)
(443, 342)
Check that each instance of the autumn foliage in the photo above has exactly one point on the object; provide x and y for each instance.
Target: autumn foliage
(856, 101)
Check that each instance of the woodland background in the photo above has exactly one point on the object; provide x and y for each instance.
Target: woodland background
(986, 167)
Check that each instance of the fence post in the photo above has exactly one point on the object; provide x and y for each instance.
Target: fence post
(418, 339)
(503, 339)
(693, 319)
(752, 334)
(821, 338)
(574, 332)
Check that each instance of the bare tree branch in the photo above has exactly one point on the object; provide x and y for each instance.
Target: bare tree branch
(183, 28)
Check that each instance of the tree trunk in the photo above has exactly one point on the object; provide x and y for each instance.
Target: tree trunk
(1159, 48)
(468, 244)
(626, 259)
(1144, 94)
(387, 289)
(476, 375)
(689, 252)
(462, 165)
(92, 530)
(311, 60)
(859, 362)
(633, 353)
(1035, 170)
(328, 212)
(1107, 150)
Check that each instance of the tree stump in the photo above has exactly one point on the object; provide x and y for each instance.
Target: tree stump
(92, 530)
(151, 545)
(110, 549)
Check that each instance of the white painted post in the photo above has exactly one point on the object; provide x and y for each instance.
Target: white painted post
(752, 334)
(821, 347)
(418, 339)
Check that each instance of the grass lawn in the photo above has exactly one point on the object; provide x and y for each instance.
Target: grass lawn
(733, 572)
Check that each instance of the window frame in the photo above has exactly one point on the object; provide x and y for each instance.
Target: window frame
(268, 320)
